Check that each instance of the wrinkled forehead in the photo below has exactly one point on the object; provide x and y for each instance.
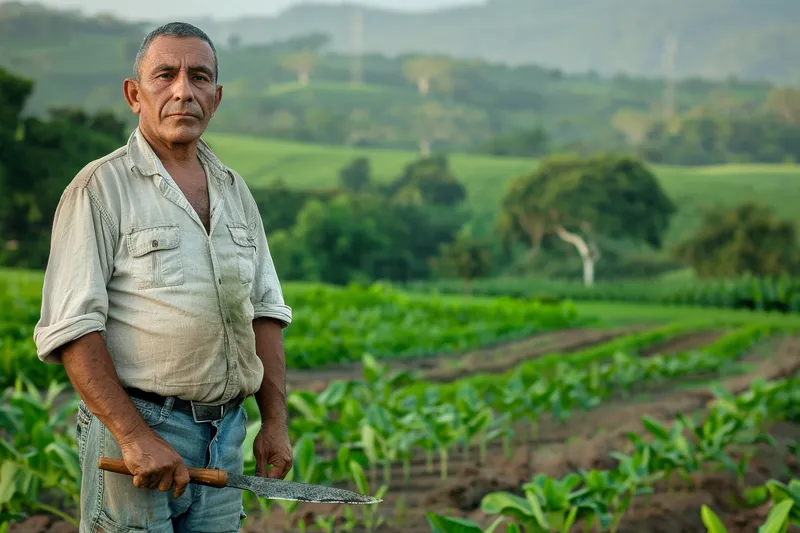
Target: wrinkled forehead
(179, 53)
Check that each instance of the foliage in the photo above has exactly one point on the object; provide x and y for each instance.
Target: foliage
(356, 319)
(576, 199)
(40, 456)
(712, 139)
(748, 239)
(364, 232)
(780, 294)
(465, 258)
(38, 159)
(601, 498)
(477, 104)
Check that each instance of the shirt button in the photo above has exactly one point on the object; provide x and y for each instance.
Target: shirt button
(219, 280)
(155, 244)
(228, 320)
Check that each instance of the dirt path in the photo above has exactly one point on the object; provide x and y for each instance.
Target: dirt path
(584, 442)
(449, 367)
(683, 343)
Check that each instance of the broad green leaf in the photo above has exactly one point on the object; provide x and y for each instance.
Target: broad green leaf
(443, 524)
(711, 520)
(777, 520)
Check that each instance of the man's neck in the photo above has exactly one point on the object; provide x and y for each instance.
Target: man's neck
(182, 156)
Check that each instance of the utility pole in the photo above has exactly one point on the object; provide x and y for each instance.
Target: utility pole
(670, 50)
(357, 70)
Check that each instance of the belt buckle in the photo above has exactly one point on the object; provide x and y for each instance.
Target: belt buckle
(206, 421)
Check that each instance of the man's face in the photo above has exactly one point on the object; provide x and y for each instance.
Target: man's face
(177, 94)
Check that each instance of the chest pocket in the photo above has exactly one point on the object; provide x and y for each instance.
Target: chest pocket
(156, 259)
(245, 247)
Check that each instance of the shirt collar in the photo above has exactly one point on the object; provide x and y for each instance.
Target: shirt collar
(142, 158)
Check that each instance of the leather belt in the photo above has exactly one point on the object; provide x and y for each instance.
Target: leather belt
(201, 412)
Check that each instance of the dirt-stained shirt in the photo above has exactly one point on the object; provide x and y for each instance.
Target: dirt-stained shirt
(131, 259)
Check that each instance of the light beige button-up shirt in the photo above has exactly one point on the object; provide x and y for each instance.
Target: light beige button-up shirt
(131, 259)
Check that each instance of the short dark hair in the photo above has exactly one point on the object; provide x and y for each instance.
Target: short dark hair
(173, 29)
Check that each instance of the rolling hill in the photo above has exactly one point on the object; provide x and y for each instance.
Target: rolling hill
(693, 188)
(716, 38)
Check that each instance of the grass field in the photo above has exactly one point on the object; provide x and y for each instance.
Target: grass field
(580, 397)
(692, 188)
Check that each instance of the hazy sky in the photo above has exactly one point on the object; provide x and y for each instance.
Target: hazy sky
(159, 9)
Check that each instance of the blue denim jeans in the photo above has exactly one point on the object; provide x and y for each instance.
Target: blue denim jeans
(111, 503)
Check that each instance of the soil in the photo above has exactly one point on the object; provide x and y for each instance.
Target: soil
(582, 442)
(683, 343)
(450, 367)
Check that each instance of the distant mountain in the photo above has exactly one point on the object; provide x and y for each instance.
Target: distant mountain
(750, 39)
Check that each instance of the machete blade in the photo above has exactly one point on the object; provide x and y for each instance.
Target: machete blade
(279, 489)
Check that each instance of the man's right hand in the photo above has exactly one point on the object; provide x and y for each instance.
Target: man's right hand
(154, 463)
(151, 460)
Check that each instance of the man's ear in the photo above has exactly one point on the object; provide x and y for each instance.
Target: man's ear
(130, 88)
(217, 99)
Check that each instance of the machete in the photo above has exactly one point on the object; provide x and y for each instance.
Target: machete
(273, 489)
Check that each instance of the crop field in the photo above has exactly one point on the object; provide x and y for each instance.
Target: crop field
(481, 414)
(260, 161)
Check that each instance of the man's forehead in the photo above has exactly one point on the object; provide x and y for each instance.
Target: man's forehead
(165, 49)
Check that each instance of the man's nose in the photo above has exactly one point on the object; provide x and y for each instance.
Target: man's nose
(183, 87)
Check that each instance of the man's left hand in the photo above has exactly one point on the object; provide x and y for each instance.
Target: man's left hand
(272, 447)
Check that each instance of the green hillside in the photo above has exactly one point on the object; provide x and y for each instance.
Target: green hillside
(472, 106)
(716, 38)
(692, 188)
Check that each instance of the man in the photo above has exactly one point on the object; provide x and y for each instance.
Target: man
(161, 300)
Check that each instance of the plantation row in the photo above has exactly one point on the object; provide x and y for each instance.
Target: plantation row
(381, 419)
(600, 499)
(761, 294)
(354, 320)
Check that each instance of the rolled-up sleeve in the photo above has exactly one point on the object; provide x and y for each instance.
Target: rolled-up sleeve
(266, 294)
(74, 297)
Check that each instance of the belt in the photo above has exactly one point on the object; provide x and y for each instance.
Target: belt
(201, 412)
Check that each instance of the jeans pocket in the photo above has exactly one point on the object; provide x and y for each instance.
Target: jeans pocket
(84, 419)
(106, 525)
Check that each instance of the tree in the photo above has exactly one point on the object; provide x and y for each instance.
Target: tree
(746, 239)
(432, 180)
(38, 158)
(428, 70)
(356, 176)
(633, 124)
(464, 258)
(433, 122)
(302, 63)
(785, 102)
(576, 199)
(529, 143)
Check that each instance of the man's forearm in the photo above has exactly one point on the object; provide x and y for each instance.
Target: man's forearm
(92, 373)
(271, 396)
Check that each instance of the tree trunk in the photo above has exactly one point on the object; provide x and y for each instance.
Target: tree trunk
(588, 256)
(302, 78)
(467, 287)
(425, 147)
(424, 85)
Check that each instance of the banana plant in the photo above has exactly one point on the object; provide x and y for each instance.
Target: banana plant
(777, 519)
(549, 505)
(40, 453)
(369, 513)
(780, 493)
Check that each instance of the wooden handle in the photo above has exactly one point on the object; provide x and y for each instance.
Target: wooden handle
(199, 476)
